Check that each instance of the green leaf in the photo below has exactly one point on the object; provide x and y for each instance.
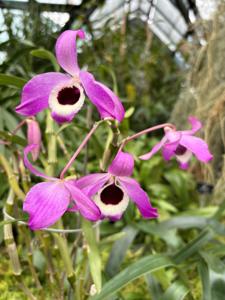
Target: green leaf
(141, 267)
(154, 287)
(15, 139)
(119, 250)
(13, 81)
(204, 275)
(193, 246)
(177, 291)
(217, 285)
(93, 254)
(45, 54)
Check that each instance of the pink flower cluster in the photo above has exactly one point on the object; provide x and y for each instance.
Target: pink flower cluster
(100, 195)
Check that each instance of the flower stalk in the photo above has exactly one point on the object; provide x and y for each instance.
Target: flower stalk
(145, 131)
(82, 145)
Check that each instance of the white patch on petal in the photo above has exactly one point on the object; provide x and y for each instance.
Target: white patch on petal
(111, 210)
(184, 158)
(65, 109)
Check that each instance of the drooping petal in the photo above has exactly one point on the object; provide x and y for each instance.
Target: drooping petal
(30, 167)
(138, 196)
(45, 203)
(107, 103)
(196, 125)
(167, 152)
(154, 150)
(122, 165)
(34, 137)
(196, 146)
(92, 183)
(85, 205)
(36, 92)
(66, 50)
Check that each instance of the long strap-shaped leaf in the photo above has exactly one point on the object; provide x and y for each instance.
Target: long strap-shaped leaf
(147, 264)
(177, 291)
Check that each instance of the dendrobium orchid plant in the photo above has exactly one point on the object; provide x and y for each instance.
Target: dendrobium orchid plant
(64, 93)
(99, 195)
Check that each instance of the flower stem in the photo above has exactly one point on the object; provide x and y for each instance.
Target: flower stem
(145, 131)
(88, 136)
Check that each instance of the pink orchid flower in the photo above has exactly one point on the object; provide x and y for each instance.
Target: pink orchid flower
(182, 145)
(34, 137)
(46, 202)
(64, 93)
(112, 191)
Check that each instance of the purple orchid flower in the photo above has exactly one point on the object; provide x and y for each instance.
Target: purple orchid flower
(111, 191)
(34, 137)
(47, 201)
(64, 93)
(182, 145)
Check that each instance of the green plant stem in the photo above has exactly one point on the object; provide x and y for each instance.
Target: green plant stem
(11, 177)
(12, 249)
(51, 145)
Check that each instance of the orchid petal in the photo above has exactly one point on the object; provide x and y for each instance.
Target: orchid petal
(85, 205)
(45, 203)
(196, 146)
(196, 125)
(107, 103)
(184, 166)
(122, 165)
(36, 92)
(66, 50)
(167, 152)
(154, 150)
(92, 183)
(138, 196)
(62, 118)
(30, 167)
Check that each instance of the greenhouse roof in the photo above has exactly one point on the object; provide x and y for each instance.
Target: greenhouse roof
(170, 20)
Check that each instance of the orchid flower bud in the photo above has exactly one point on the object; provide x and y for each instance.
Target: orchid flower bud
(34, 137)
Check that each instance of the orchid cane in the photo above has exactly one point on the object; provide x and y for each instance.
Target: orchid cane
(64, 93)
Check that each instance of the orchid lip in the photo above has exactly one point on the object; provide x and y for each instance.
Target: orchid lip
(111, 194)
(112, 200)
(180, 150)
(69, 95)
(66, 99)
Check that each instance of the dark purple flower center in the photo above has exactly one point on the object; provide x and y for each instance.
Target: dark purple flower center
(69, 95)
(180, 150)
(112, 194)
